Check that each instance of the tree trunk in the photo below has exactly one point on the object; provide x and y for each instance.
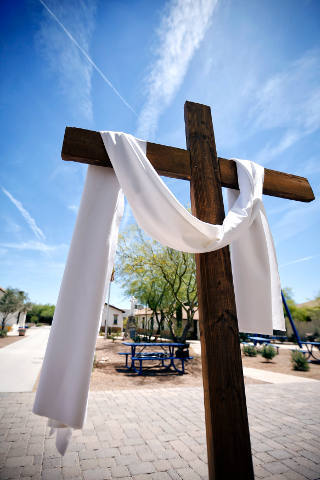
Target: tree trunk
(158, 323)
(173, 336)
(162, 320)
(186, 329)
(3, 322)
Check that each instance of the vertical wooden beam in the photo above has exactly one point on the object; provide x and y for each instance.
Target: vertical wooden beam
(228, 438)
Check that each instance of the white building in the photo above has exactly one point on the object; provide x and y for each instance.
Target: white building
(115, 316)
(143, 316)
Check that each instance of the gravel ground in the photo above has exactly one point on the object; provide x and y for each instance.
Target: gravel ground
(4, 341)
(281, 364)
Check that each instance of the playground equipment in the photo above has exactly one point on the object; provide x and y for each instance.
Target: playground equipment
(312, 347)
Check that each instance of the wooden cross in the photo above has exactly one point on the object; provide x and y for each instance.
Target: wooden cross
(227, 429)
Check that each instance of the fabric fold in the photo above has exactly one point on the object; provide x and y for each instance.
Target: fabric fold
(245, 228)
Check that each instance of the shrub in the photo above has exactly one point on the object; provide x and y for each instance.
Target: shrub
(3, 332)
(268, 352)
(110, 330)
(299, 361)
(142, 331)
(40, 313)
(112, 337)
(249, 350)
(244, 337)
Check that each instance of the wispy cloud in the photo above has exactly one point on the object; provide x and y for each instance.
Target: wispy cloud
(73, 208)
(36, 246)
(74, 63)
(72, 71)
(299, 260)
(289, 101)
(10, 226)
(183, 26)
(26, 215)
(284, 100)
(281, 207)
(312, 165)
(270, 150)
(297, 219)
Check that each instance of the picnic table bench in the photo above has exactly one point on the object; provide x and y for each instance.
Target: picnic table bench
(167, 358)
(312, 348)
(260, 340)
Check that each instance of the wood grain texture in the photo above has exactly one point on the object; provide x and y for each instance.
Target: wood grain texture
(228, 439)
(86, 146)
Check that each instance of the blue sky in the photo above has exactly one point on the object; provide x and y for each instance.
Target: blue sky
(130, 66)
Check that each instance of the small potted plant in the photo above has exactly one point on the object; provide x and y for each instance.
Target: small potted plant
(22, 331)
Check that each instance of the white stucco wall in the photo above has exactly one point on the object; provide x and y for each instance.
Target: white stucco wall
(111, 317)
(12, 319)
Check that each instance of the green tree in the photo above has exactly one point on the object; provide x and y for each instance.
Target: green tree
(288, 295)
(160, 277)
(178, 270)
(301, 314)
(40, 313)
(46, 313)
(13, 300)
(148, 290)
(138, 277)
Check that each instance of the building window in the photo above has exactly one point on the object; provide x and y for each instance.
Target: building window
(115, 319)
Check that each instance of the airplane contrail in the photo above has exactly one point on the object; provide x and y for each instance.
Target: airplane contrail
(26, 215)
(94, 65)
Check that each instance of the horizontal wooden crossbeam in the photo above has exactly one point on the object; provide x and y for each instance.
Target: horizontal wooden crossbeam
(86, 146)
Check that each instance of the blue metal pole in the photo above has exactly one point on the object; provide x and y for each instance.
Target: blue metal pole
(295, 331)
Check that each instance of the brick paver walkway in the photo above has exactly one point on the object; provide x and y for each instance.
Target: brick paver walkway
(159, 434)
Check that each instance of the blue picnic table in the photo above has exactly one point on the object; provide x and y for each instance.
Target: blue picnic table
(260, 340)
(167, 357)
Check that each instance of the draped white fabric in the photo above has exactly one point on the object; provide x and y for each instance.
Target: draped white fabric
(65, 376)
(158, 212)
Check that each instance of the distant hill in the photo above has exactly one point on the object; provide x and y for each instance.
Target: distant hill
(310, 304)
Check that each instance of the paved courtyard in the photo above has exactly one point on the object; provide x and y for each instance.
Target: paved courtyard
(20, 362)
(159, 434)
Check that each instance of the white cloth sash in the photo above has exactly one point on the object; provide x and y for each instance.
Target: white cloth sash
(158, 212)
(65, 376)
